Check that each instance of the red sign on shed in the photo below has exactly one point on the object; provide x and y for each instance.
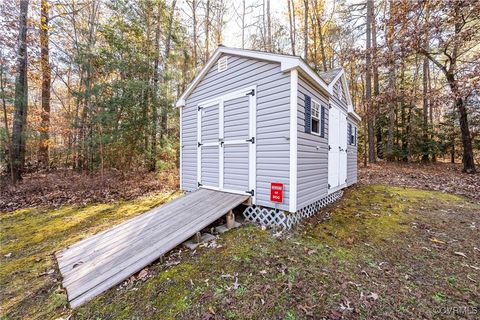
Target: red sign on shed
(276, 192)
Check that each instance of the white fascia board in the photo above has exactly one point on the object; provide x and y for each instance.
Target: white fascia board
(181, 101)
(347, 91)
(353, 114)
(341, 75)
(332, 83)
(287, 63)
(315, 77)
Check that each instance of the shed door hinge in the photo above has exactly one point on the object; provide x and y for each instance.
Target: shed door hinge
(251, 93)
(329, 148)
(252, 140)
(199, 108)
(199, 184)
(200, 144)
(329, 186)
(251, 192)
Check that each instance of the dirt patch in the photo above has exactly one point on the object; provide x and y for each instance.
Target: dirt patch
(445, 177)
(67, 187)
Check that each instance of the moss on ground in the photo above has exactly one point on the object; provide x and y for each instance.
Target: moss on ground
(372, 242)
(29, 238)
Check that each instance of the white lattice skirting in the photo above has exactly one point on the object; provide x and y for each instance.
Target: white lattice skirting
(274, 217)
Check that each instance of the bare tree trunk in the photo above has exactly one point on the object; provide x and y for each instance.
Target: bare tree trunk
(376, 85)
(320, 35)
(155, 101)
(425, 142)
(46, 80)
(21, 97)
(207, 30)
(168, 45)
(391, 84)
(305, 30)
(8, 142)
(269, 28)
(430, 113)
(194, 18)
(467, 159)
(368, 89)
(291, 21)
(243, 24)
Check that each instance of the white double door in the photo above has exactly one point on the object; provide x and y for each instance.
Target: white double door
(226, 142)
(337, 154)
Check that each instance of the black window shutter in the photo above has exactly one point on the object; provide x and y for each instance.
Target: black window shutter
(308, 114)
(349, 134)
(355, 138)
(322, 122)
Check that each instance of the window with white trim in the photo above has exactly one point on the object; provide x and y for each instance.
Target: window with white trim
(315, 124)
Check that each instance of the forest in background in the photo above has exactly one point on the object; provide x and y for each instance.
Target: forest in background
(90, 85)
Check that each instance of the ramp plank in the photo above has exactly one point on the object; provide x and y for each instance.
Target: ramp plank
(101, 261)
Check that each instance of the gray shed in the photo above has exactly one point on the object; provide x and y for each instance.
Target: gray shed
(268, 126)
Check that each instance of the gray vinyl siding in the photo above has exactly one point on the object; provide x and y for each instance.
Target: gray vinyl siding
(189, 148)
(352, 158)
(312, 162)
(272, 118)
(236, 167)
(236, 119)
(210, 166)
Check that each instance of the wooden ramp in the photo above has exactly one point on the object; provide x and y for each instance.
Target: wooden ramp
(101, 261)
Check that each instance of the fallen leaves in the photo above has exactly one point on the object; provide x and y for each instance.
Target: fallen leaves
(461, 254)
(443, 177)
(62, 187)
(372, 296)
(435, 240)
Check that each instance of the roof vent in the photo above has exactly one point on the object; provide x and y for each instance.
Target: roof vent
(222, 64)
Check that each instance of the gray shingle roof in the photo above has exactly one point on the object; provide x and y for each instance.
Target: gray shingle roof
(329, 75)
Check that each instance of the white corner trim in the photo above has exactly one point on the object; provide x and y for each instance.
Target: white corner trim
(293, 140)
(181, 150)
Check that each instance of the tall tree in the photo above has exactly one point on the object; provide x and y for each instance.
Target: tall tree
(318, 18)
(269, 27)
(376, 84)
(305, 30)
(207, 30)
(391, 85)
(368, 83)
(21, 96)
(452, 46)
(46, 82)
(425, 137)
(291, 23)
(8, 144)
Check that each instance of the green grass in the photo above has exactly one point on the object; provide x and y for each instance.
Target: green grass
(371, 244)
